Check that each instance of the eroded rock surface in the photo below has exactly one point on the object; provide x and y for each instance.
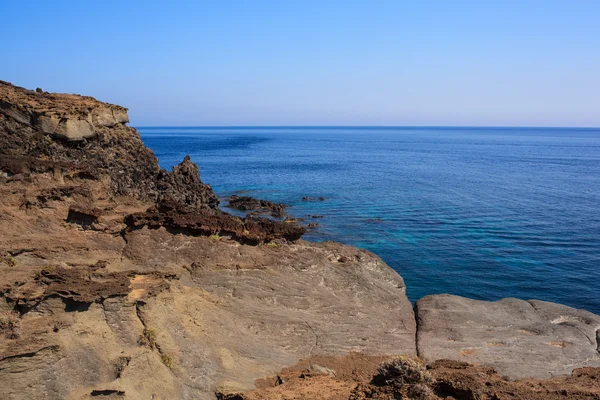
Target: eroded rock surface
(220, 314)
(122, 280)
(207, 221)
(519, 338)
(65, 116)
(110, 151)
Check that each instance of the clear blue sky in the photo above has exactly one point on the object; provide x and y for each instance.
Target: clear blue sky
(527, 62)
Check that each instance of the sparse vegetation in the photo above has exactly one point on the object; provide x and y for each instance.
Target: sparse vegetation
(148, 338)
(10, 324)
(215, 237)
(272, 244)
(420, 391)
(167, 360)
(404, 371)
(10, 260)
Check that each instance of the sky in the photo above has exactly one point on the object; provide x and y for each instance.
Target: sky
(241, 63)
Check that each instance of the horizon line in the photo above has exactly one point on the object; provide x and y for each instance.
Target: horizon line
(367, 126)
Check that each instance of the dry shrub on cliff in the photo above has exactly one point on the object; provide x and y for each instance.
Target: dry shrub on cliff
(148, 338)
(402, 371)
(167, 360)
(403, 377)
(10, 324)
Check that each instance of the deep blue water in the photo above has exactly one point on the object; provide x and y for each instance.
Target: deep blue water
(482, 213)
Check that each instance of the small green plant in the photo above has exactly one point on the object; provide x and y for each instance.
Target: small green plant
(10, 324)
(215, 237)
(10, 260)
(148, 338)
(167, 360)
(272, 244)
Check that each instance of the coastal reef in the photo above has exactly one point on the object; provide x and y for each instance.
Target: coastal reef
(260, 206)
(119, 279)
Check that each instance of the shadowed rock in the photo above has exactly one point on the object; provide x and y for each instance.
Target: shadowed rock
(247, 203)
(207, 222)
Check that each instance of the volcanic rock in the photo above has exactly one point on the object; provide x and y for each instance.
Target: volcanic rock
(247, 203)
(210, 222)
(127, 281)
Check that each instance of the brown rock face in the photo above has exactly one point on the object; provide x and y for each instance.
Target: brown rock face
(68, 117)
(184, 186)
(104, 147)
(121, 280)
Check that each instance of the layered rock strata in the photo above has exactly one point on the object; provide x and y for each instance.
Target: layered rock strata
(122, 280)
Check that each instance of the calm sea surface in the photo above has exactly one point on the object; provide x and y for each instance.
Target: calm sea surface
(482, 213)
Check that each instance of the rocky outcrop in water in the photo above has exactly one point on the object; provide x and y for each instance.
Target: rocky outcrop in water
(247, 203)
(177, 218)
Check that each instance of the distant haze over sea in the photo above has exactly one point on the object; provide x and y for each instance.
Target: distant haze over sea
(479, 212)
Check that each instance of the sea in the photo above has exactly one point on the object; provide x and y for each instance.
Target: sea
(485, 213)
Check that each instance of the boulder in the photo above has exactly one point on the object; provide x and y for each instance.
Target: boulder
(519, 338)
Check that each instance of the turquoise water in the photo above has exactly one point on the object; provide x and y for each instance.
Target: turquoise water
(483, 213)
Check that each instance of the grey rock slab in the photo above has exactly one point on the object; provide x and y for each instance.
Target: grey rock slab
(521, 339)
(245, 312)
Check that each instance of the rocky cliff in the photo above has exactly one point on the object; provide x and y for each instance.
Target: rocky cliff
(122, 280)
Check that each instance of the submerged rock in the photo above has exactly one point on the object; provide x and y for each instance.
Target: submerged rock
(307, 198)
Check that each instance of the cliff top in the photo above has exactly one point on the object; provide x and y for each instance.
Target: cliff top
(64, 116)
(45, 102)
